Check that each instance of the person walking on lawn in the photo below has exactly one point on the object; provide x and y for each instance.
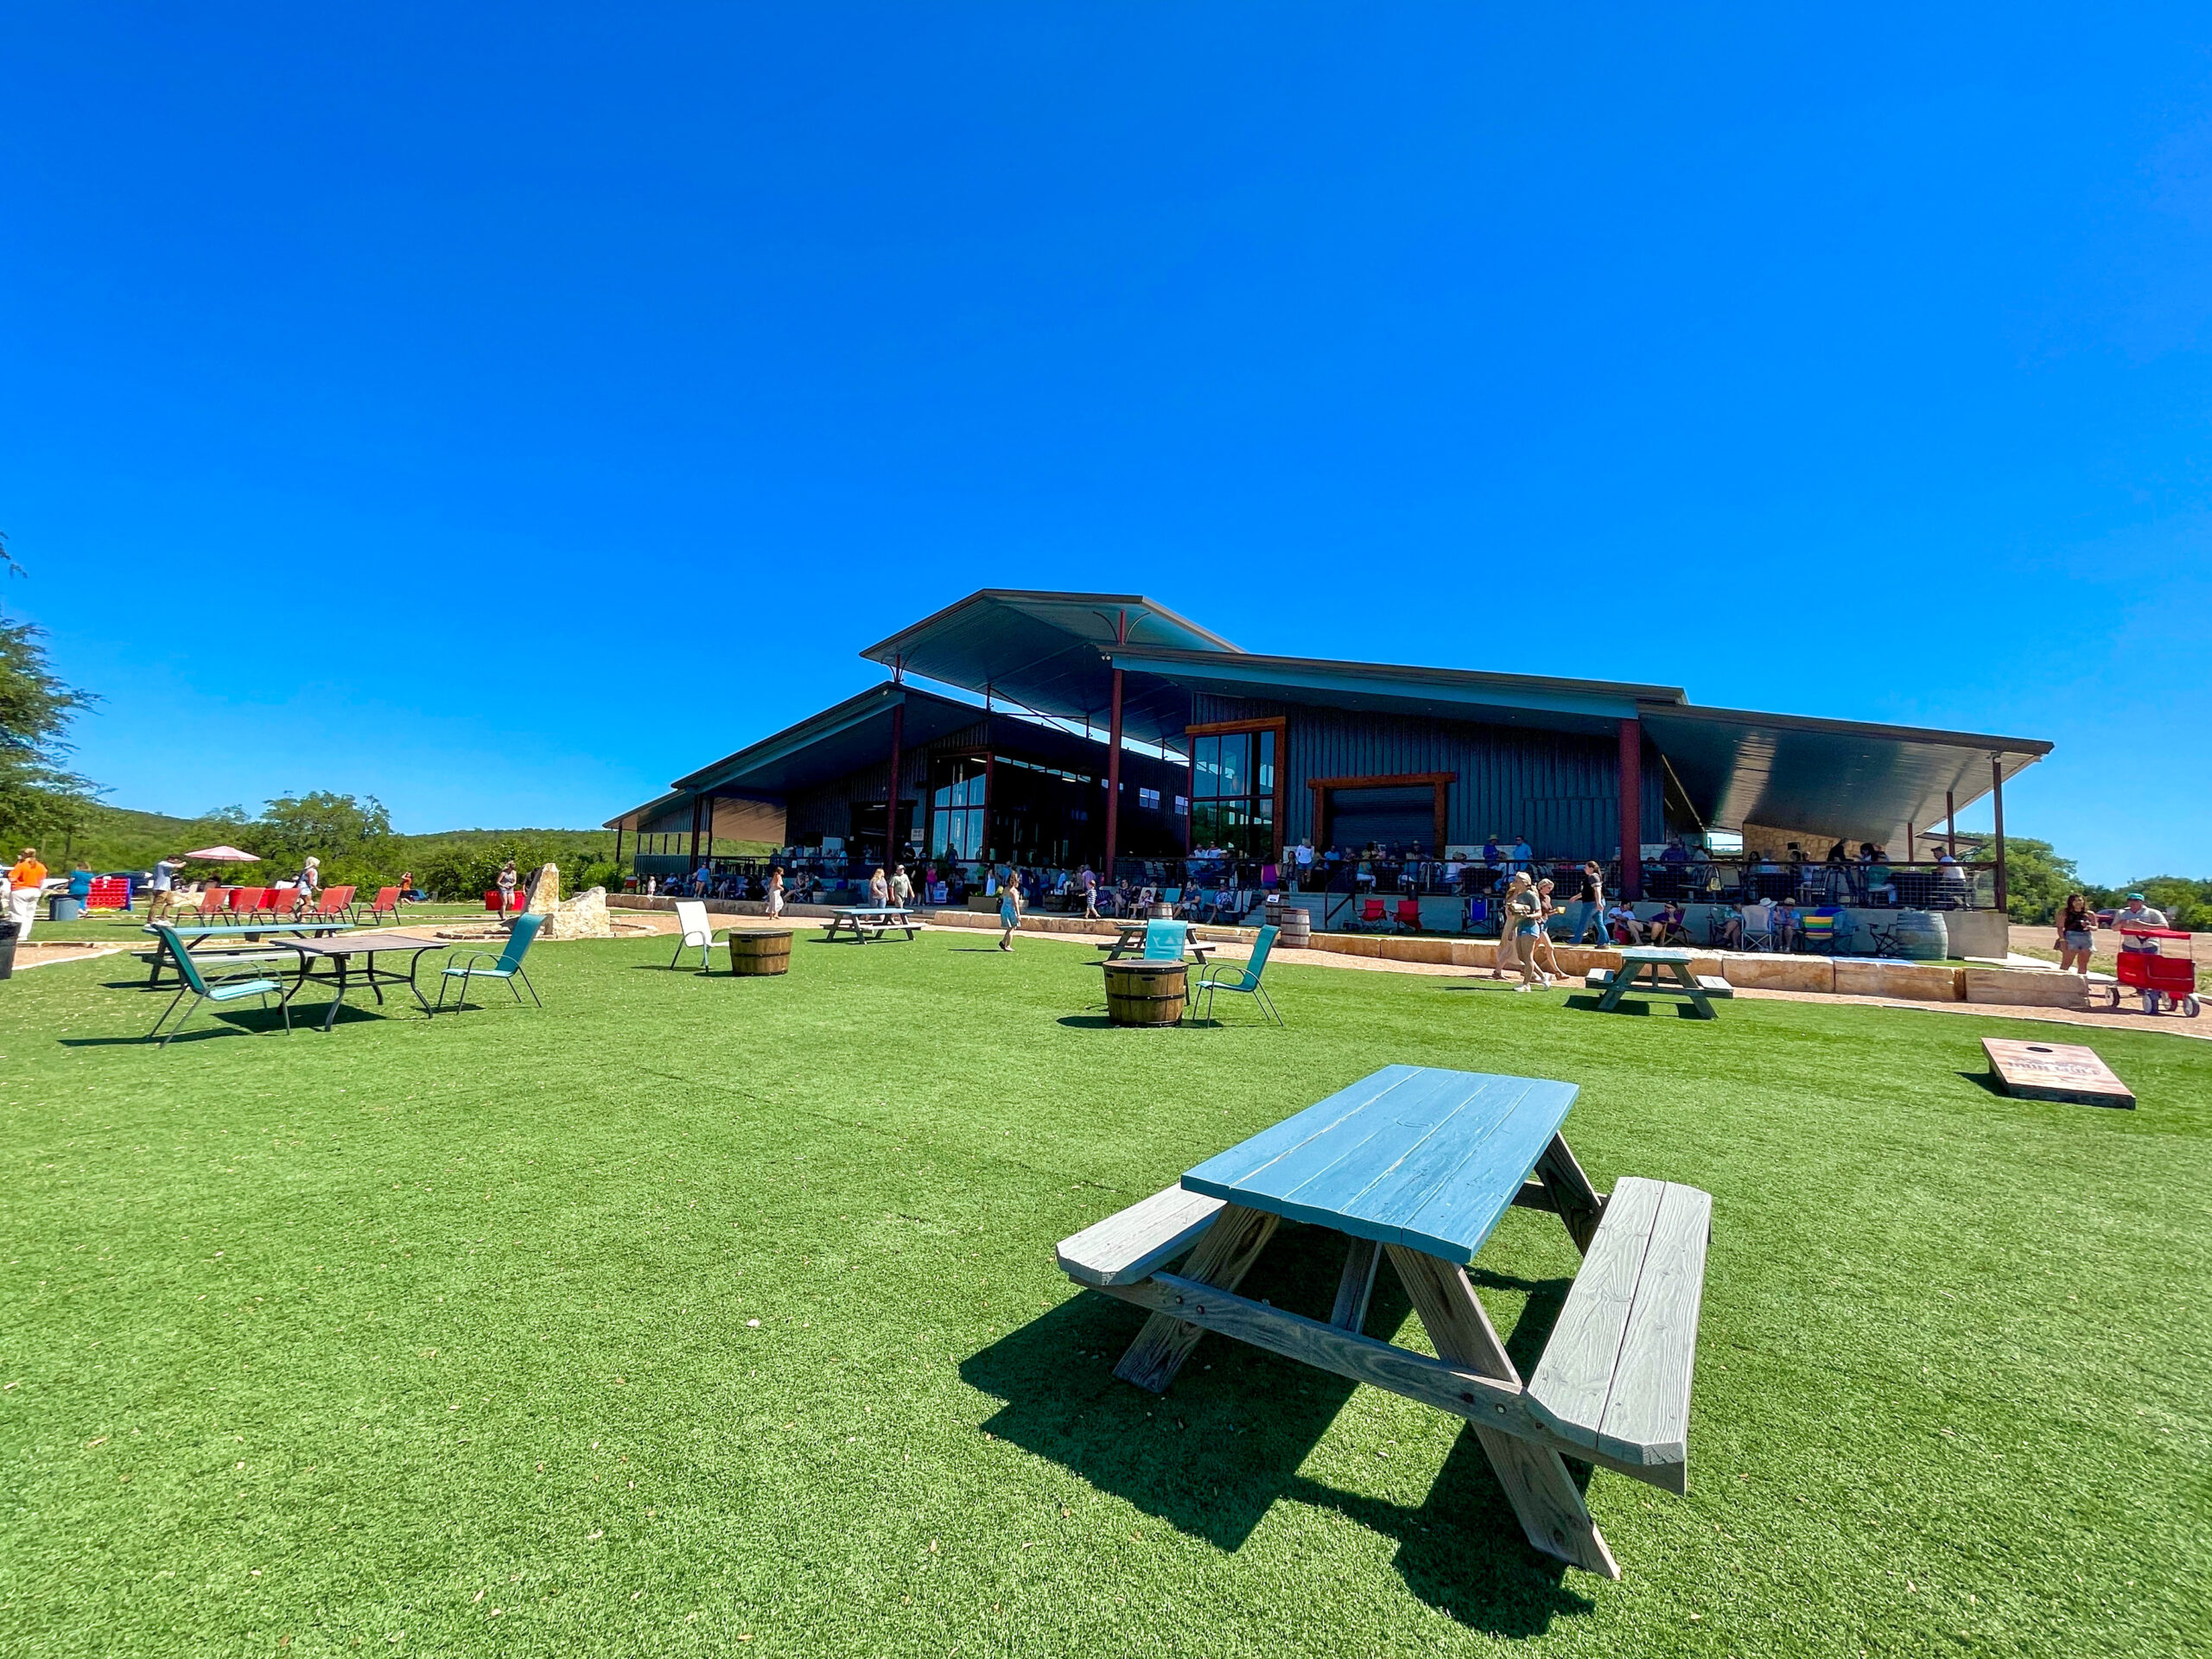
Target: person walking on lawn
(24, 881)
(1593, 912)
(775, 892)
(1509, 932)
(1009, 909)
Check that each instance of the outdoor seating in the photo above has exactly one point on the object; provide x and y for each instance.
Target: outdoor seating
(1166, 941)
(1419, 1164)
(1409, 915)
(1247, 983)
(693, 927)
(507, 966)
(1371, 914)
(1757, 932)
(1826, 930)
(385, 906)
(334, 904)
(202, 989)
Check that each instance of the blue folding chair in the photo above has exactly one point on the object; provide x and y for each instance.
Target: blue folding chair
(217, 991)
(1247, 982)
(508, 967)
(1166, 941)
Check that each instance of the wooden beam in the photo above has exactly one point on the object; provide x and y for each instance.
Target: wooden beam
(1225, 1254)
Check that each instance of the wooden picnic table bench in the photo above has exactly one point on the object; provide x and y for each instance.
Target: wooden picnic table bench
(867, 921)
(1418, 1165)
(205, 942)
(1657, 971)
(1129, 940)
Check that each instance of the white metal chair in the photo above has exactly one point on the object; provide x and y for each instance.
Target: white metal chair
(691, 921)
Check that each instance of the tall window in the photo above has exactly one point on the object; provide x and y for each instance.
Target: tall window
(957, 812)
(1233, 792)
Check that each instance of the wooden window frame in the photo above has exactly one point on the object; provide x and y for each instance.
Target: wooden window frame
(1279, 725)
(1440, 782)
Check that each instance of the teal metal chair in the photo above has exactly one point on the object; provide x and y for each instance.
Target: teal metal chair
(1166, 941)
(1247, 982)
(508, 966)
(217, 991)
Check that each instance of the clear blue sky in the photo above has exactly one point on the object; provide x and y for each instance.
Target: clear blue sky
(503, 409)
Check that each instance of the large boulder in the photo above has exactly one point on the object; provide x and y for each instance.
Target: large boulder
(582, 918)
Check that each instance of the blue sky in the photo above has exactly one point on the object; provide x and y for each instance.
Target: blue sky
(503, 409)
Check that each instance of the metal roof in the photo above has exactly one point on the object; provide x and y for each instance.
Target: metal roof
(1438, 693)
(842, 739)
(1852, 779)
(1048, 652)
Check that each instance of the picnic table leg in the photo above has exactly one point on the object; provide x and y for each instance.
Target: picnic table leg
(1357, 1285)
(1222, 1256)
(1535, 1478)
(1696, 991)
(1615, 986)
(1572, 1195)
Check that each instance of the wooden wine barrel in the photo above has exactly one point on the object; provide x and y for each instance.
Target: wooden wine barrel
(1146, 993)
(759, 953)
(1923, 935)
(1297, 926)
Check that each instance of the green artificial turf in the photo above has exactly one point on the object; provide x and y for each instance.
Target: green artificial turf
(440, 1337)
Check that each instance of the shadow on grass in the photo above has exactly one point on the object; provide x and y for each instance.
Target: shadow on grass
(1227, 1441)
(232, 1022)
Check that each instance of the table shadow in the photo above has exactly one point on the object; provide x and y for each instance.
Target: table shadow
(1228, 1440)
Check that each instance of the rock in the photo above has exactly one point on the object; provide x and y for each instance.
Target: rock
(543, 892)
(582, 918)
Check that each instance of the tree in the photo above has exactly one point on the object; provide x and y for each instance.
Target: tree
(328, 825)
(2036, 880)
(39, 795)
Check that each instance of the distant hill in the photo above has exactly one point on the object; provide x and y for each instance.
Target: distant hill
(117, 838)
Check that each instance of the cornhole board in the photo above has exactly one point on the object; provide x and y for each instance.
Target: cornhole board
(2055, 1071)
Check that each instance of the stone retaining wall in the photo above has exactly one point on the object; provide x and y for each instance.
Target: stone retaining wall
(1912, 981)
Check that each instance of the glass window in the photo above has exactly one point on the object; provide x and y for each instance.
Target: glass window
(1148, 800)
(1233, 789)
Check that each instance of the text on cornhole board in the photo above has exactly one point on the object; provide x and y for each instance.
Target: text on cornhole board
(2055, 1071)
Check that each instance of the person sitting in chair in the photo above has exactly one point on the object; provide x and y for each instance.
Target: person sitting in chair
(1621, 922)
(1668, 927)
(1786, 925)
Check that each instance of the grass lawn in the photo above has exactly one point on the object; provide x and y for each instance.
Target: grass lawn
(706, 1315)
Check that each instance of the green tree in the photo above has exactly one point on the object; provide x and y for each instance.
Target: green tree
(39, 795)
(328, 825)
(2036, 880)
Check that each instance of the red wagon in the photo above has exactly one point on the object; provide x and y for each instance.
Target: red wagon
(2157, 975)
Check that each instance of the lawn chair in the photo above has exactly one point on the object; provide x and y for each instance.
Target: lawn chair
(385, 906)
(1409, 915)
(1247, 982)
(507, 966)
(1166, 941)
(335, 905)
(242, 902)
(1370, 915)
(206, 990)
(1827, 930)
(1757, 932)
(691, 921)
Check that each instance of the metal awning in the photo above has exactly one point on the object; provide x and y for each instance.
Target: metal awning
(842, 739)
(1847, 778)
(1048, 652)
(1595, 706)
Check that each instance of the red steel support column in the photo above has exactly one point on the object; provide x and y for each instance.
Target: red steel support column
(1631, 808)
(893, 841)
(1997, 785)
(1114, 776)
(1950, 825)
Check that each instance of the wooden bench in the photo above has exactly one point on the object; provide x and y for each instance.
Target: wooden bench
(1599, 979)
(157, 959)
(1129, 1246)
(1615, 1376)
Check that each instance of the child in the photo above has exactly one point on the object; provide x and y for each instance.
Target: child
(1009, 909)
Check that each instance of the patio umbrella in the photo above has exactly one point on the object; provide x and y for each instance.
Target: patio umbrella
(226, 855)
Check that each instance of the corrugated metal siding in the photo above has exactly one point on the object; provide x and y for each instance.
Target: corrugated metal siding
(1561, 789)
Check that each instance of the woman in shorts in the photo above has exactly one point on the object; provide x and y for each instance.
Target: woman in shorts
(2076, 934)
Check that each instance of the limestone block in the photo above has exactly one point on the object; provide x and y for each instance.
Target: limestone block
(543, 892)
(2026, 987)
(582, 918)
(1919, 981)
(1782, 973)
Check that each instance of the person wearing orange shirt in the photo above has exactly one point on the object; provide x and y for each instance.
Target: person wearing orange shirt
(23, 884)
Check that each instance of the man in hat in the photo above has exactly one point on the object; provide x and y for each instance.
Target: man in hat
(2138, 913)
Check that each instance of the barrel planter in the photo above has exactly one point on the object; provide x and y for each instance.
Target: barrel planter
(1161, 913)
(759, 953)
(1921, 934)
(1146, 993)
(1297, 927)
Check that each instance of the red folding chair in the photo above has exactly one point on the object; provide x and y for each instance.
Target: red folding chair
(1409, 914)
(385, 906)
(1371, 913)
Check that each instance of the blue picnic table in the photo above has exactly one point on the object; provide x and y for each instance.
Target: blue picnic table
(198, 941)
(1657, 971)
(867, 921)
(1419, 1164)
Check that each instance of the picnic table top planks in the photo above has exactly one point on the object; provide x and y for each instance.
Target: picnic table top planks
(1411, 1155)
